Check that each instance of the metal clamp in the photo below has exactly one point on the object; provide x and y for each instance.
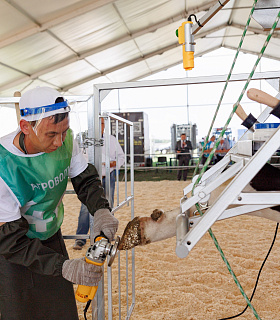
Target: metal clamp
(84, 141)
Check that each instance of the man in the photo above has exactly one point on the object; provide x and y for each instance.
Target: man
(36, 274)
(222, 149)
(208, 148)
(183, 148)
(116, 152)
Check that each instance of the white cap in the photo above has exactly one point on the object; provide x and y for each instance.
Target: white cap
(40, 103)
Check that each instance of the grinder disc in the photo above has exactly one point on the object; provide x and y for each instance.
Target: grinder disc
(114, 251)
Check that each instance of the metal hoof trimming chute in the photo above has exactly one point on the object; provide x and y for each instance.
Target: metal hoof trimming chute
(247, 156)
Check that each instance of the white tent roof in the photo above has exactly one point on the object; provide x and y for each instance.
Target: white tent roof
(70, 45)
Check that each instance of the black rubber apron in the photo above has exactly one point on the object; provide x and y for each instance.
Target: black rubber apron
(25, 295)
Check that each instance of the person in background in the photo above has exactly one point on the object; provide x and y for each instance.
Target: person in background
(208, 148)
(201, 143)
(232, 142)
(182, 149)
(36, 274)
(222, 149)
(115, 151)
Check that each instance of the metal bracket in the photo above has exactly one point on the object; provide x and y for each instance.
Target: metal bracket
(93, 142)
(84, 141)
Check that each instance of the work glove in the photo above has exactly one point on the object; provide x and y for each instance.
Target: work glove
(80, 272)
(105, 222)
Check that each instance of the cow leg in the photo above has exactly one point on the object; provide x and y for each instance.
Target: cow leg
(162, 225)
(144, 230)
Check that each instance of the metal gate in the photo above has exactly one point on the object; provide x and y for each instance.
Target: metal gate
(123, 299)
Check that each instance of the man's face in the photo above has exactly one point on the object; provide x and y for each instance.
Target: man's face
(49, 136)
(183, 137)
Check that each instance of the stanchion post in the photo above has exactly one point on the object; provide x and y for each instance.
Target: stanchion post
(17, 94)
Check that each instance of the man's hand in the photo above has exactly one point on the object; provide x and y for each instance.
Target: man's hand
(113, 164)
(104, 221)
(80, 272)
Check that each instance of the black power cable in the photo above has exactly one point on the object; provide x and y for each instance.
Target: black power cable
(271, 246)
(86, 309)
(195, 18)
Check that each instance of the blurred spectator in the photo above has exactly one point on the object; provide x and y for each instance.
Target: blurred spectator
(115, 150)
(208, 148)
(223, 147)
(183, 148)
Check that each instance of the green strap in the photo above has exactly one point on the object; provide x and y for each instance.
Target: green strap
(223, 93)
(239, 99)
(221, 135)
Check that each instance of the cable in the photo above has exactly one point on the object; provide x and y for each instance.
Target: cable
(86, 309)
(195, 18)
(271, 246)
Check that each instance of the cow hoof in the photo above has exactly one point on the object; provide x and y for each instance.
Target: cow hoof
(131, 236)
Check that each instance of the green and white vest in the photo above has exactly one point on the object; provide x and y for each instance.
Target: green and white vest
(39, 184)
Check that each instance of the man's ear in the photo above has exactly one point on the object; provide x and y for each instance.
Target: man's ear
(25, 126)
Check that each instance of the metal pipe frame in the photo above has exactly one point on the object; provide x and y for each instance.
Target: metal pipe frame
(95, 156)
(209, 15)
(246, 168)
(216, 180)
(107, 120)
(231, 213)
(214, 170)
(231, 193)
(185, 81)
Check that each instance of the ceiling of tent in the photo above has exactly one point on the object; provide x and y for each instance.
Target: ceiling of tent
(71, 45)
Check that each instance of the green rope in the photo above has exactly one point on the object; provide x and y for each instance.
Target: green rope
(220, 137)
(239, 99)
(223, 93)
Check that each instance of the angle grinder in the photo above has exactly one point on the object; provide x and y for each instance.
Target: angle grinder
(96, 254)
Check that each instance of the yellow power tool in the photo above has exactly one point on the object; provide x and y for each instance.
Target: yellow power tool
(96, 254)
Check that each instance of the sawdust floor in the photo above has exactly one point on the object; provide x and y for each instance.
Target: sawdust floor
(198, 287)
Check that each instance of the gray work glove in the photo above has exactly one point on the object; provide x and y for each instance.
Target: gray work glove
(104, 221)
(80, 272)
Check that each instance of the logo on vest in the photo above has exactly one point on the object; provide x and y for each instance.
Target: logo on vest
(52, 182)
(37, 217)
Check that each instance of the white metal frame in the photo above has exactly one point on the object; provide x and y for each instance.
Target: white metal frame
(95, 156)
(128, 198)
(242, 168)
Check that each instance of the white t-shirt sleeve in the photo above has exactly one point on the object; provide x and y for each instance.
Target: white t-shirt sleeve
(78, 162)
(9, 206)
(121, 156)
